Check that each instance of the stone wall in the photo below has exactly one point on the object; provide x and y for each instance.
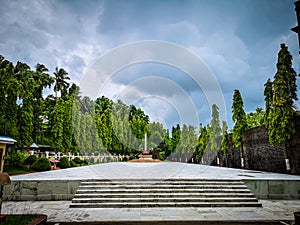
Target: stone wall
(294, 149)
(232, 158)
(259, 154)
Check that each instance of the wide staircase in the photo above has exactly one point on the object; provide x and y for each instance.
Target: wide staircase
(137, 193)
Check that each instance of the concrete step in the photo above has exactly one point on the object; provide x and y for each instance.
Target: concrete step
(165, 190)
(170, 182)
(162, 195)
(164, 204)
(163, 186)
(166, 199)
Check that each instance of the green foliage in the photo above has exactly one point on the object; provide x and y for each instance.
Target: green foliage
(60, 77)
(26, 115)
(215, 131)
(73, 164)
(202, 142)
(78, 161)
(256, 118)
(176, 135)
(188, 141)
(57, 129)
(16, 159)
(280, 96)
(225, 137)
(42, 164)
(239, 119)
(64, 163)
(268, 93)
(30, 160)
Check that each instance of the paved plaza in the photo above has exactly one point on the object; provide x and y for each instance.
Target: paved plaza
(59, 212)
(163, 170)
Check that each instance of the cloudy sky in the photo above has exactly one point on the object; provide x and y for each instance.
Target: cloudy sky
(236, 40)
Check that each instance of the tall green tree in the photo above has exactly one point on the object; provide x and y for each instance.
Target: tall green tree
(57, 129)
(43, 80)
(215, 129)
(202, 142)
(240, 122)
(281, 108)
(268, 93)
(9, 92)
(175, 137)
(26, 115)
(225, 137)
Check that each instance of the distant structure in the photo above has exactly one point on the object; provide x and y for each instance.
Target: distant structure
(5, 142)
(297, 28)
(145, 156)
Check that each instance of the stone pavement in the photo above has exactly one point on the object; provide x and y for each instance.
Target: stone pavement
(59, 212)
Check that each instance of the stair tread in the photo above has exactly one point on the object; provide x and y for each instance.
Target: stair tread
(165, 194)
(235, 199)
(168, 204)
(187, 190)
(162, 182)
(164, 186)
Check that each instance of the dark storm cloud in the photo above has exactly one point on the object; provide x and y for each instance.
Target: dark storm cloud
(238, 40)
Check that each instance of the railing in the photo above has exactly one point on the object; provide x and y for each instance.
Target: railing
(97, 158)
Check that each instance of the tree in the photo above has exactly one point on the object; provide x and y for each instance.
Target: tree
(42, 80)
(215, 129)
(9, 92)
(268, 93)
(240, 122)
(176, 136)
(60, 77)
(202, 143)
(225, 137)
(26, 115)
(281, 103)
(57, 130)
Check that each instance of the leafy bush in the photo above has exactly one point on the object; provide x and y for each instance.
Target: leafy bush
(16, 159)
(73, 164)
(77, 160)
(42, 164)
(64, 163)
(161, 156)
(125, 159)
(30, 160)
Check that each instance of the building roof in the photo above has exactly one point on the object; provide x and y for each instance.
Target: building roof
(7, 140)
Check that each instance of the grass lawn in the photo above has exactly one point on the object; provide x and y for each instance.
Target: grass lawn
(18, 219)
(15, 171)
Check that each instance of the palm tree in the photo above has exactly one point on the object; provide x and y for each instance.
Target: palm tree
(43, 79)
(60, 81)
(22, 73)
